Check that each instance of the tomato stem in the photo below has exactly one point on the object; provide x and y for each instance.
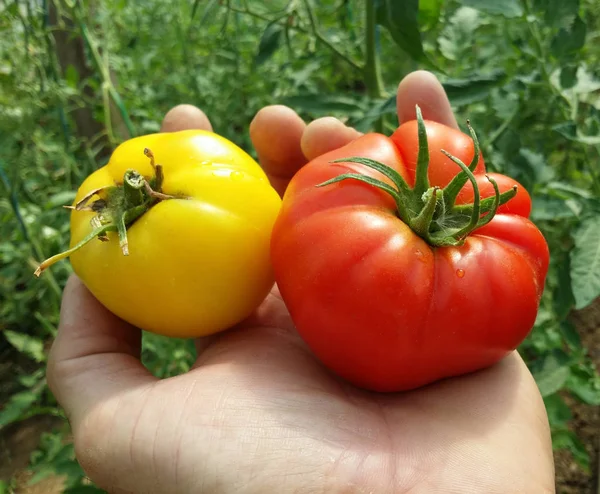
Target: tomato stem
(133, 185)
(117, 208)
(98, 232)
(421, 178)
(421, 225)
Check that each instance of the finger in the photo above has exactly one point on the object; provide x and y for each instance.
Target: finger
(95, 354)
(184, 117)
(325, 134)
(423, 88)
(276, 132)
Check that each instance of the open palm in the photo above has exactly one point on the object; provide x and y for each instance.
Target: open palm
(258, 413)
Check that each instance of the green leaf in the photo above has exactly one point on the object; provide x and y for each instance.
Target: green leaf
(457, 37)
(17, 405)
(269, 42)
(571, 132)
(364, 122)
(550, 209)
(429, 13)
(584, 382)
(558, 411)
(509, 144)
(505, 103)
(553, 373)
(301, 76)
(567, 439)
(544, 317)
(569, 190)
(155, 347)
(562, 296)
(570, 334)
(71, 76)
(475, 88)
(30, 380)
(207, 9)
(585, 262)
(401, 20)
(560, 13)
(542, 171)
(587, 82)
(507, 8)
(56, 457)
(41, 473)
(63, 198)
(569, 40)
(552, 381)
(568, 76)
(69, 468)
(32, 347)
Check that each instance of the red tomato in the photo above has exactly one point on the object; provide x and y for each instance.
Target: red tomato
(380, 305)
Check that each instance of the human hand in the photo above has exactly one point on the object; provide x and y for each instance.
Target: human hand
(258, 413)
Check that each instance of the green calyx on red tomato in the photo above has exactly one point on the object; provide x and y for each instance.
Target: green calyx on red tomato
(401, 265)
(430, 211)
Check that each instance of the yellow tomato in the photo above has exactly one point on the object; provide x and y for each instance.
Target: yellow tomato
(198, 257)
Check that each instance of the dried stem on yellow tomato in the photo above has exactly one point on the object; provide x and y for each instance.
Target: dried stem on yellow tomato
(117, 207)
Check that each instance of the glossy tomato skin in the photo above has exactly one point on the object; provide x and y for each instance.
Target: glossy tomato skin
(196, 265)
(379, 306)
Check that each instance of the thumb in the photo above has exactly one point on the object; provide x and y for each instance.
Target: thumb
(95, 354)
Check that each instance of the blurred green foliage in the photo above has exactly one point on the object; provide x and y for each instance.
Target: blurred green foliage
(79, 76)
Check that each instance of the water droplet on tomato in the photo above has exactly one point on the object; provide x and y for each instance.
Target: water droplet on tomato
(237, 176)
(419, 255)
(460, 273)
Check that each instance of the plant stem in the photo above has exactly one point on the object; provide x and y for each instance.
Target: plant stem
(422, 223)
(591, 169)
(104, 70)
(500, 130)
(372, 69)
(35, 246)
(541, 56)
(107, 115)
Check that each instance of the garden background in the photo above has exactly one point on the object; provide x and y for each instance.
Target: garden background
(79, 76)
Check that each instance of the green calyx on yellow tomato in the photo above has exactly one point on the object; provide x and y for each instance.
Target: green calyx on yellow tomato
(430, 211)
(172, 235)
(117, 208)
